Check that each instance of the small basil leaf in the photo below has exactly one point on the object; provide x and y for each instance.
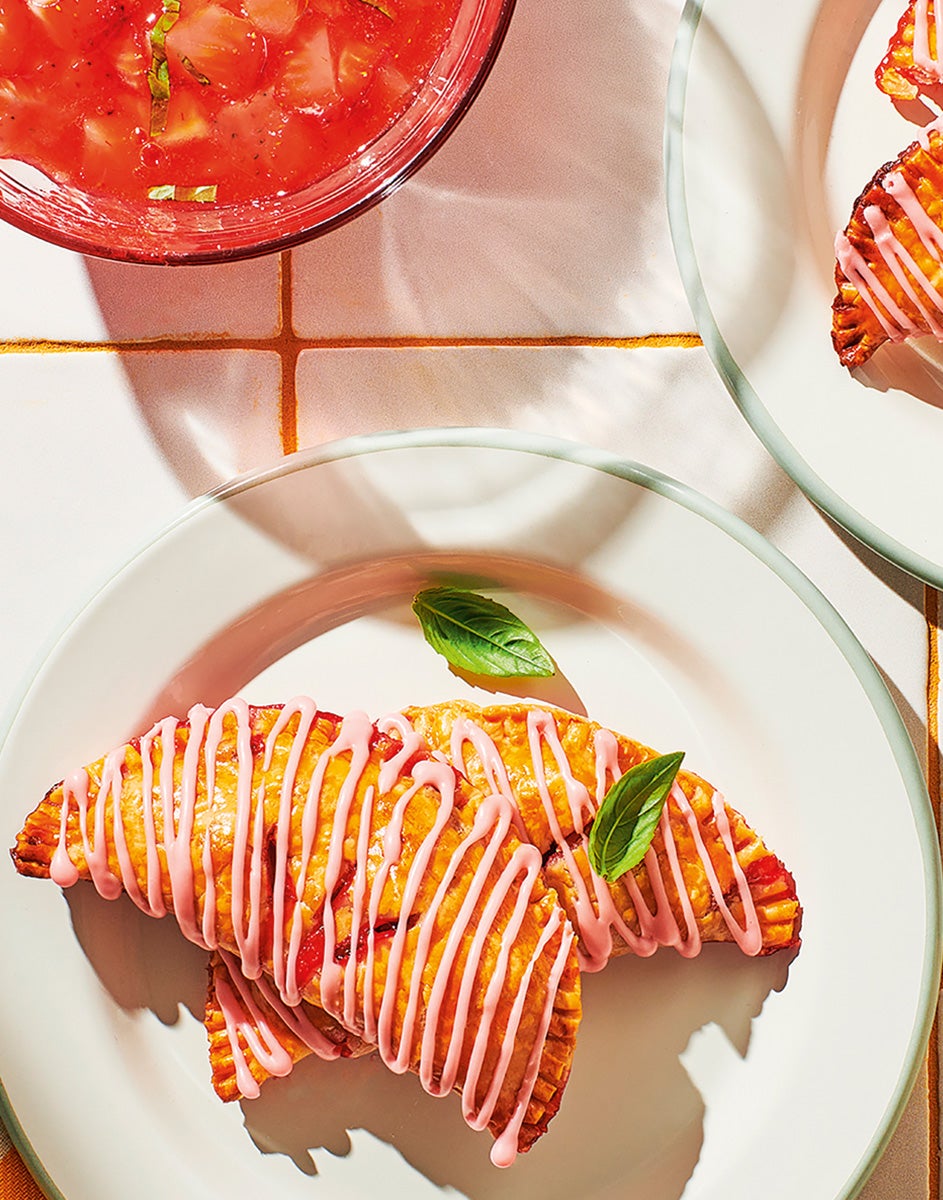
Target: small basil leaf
(478, 635)
(629, 814)
(204, 193)
(158, 73)
(192, 69)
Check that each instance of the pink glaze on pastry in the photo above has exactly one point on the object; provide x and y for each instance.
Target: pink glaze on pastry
(338, 994)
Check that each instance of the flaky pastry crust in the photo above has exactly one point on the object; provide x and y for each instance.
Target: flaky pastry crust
(542, 786)
(888, 272)
(905, 73)
(350, 874)
(553, 764)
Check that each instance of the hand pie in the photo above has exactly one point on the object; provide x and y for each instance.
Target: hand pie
(706, 877)
(889, 259)
(911, 67)
(254, 1035)
(347, 870)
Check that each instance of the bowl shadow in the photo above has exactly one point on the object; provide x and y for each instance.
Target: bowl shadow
(527, 205)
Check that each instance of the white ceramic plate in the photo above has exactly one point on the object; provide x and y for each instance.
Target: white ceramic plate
(722, 1078)
(775, 126)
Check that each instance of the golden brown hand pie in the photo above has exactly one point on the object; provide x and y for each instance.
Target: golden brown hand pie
(707, 877)
(889, 258)
(346, 870)
(911, 67)
(254, 1035)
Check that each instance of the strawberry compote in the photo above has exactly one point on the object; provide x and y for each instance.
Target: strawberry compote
(207, 100)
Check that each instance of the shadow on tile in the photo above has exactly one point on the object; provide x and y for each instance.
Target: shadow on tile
(543, 214)
(661, 407)
(213, 414)
(230, 300)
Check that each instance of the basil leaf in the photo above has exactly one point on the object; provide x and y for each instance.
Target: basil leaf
(204, 193)
(193, 70)
(380, 7)
(479, 635)
(158, 74)
(629, 814)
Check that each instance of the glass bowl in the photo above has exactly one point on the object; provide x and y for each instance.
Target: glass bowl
(154, 231)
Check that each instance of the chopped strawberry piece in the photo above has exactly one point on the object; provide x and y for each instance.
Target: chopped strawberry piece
(356, 67)
(333, 10)
(276, 18)
(18, 29)
(392, 87)
(763, 872)
(253, 132)
(309, 78)
(186, 123)
(73, 23)
(216, 48)
(108, 151)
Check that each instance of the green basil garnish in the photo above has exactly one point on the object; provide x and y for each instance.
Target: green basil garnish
(195, 71)
(158, 74)
(204, 193)
(478, 635)
(379, 6)
(629, 814)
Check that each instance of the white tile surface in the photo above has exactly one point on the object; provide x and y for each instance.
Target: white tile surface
(53, 294)
(237, 300)
(663, 406)
(543, 214)
(211, 414)
(81, 489)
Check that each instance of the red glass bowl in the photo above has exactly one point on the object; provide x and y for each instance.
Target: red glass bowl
(187, 234)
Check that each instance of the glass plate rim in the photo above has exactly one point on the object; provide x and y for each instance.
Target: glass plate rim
(741, 390)
(579, 454)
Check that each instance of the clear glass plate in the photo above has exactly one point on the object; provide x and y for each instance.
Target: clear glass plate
(775, 126)
(721, 1078)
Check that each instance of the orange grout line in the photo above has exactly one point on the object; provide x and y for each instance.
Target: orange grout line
(138, 345)
(285, 337)
(289, 351)
(679, 340)
(288, 346)
(932, 611)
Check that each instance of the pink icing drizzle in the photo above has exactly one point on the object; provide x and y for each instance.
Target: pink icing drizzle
(596, 913)
(921, 50)
(926, 298)
(337, 981)
(243, 1015)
